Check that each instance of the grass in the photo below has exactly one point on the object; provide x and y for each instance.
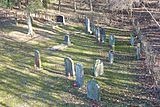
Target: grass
(21, 86)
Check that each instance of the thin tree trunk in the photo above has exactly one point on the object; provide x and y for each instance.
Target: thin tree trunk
(30, 29)
(91, 6)
(75, 5)
(59, 5)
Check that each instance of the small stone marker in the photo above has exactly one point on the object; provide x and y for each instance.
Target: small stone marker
(67, 40)
(112, 41)
(87, 25)
(37, 60)
(79, 75)
(60, 19)
(102, 35)
(138, 51)
(93, 90)
(69, 67)
(97, 34)
(132, 40)
(98, 68)
(111, 57)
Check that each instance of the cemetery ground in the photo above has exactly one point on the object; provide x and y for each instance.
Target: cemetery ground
(20, 85)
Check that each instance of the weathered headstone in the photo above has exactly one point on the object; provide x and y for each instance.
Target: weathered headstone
(112, 41)
(98, 68)
(138, 51)
(132, 41)
(69, 67)
(79, 75)
(37, 60)
(93, 26)
(60, 19)
(67, 40)
(93, 90)
(102, 35)
(111, 57)
(87, 25)
(97, 34)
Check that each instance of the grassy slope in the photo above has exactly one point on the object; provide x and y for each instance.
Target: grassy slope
(21, 86)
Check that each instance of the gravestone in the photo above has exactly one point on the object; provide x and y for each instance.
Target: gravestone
(37, 59)
(79, 75)
(111, 57)
(60, 19)
(87, 25)
(112, 41)
(97, 34)
(138, 51)
(92, 26)
(93, 90)
(98, 68)
(102, 35)
(67, 40)
(69, 67)
(132, 41)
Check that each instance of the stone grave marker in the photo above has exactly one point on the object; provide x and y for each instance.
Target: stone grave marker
(79, 75)
(37, 60)
(98, 68)
(111, 57)
(60, 19)
(69, 67)
(92, 26)
(93, 90)
(102, 35)
(132, 41)
(112, 41)
(87, 25)
(97, 34)
(67, 40)
(138, 51)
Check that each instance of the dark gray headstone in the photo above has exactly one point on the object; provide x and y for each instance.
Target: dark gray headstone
(69, 67)
(111, 57)
(138, 51)
(112, 41)
(102, 35)
(60, 19)
(132, 40)
(79, 75)
(67, 40)
(93, 28)
(37, 59)
(98, 68)
(93, 90)
(97, 34)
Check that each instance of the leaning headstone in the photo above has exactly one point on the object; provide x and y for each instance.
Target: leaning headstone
(67, 40)
(87, 25)
(102, 35)
(97, 34)
(111, 57)
(60, 19)
(37, 60)
(69, 67)
(132, 41)
(79, 75)
(98, 68)
(112, 41)
(138, 51)
(93, 90)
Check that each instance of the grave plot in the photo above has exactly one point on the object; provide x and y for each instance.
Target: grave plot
(117, 84)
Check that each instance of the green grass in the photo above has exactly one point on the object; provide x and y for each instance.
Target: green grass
(21, 86)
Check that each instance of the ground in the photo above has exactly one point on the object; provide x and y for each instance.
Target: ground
(22, 86)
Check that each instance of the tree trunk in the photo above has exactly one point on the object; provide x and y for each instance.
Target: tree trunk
(59, 5)
(30, 29)
(91, 6)
(75, 6)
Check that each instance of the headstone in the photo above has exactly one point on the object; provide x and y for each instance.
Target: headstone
(60, 19)
(97, 34)
(132, 41)
(79, 75)
(67, 40)
(93, 90)
(37, 59)
(69, 67)
(138, 51)
(112, 41)
(98, 68)
(102, 35)
(93, 26)
(111, 57)
(87, 25)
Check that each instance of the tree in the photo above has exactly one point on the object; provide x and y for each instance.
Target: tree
(91, 6)
(59, 5)
(74, 5)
